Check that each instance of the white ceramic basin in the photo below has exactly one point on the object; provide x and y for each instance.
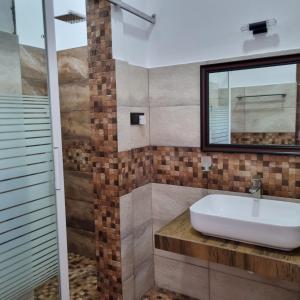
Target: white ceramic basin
(269, 223)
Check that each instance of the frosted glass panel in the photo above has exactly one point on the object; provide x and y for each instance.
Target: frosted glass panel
(28, 238)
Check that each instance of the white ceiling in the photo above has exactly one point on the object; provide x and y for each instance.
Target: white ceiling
(70, 35)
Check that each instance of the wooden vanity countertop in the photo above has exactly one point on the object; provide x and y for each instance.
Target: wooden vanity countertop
(179, 237)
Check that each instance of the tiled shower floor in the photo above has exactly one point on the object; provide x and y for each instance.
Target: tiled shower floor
(82, 278)
(83, 284)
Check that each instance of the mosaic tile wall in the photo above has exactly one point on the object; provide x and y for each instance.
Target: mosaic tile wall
(230, 172)
(135, 169)
(298, 107)
(263, 138)
(103, 106)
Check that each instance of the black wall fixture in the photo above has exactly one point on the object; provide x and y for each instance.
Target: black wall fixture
(259, 27)
(137, 118)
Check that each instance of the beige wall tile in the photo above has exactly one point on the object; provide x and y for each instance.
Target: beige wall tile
(175, 85)
(254, 277)
(126, 215)
(143, 245)
(132, 85)
(122, 83)
(183, 278)
(228, 287)
(74, 96)
(178, 198)
(175, 126)
(132, 136)
(142, 205)
(238, 121)
(209, 191)
(79, 186)
(144, 278)
(270, 120)
(158, 224)
(138, 86)
(128, 288)
(181, 258)
(261, 114)
(127, 256)
(290, 89)
(124, 129)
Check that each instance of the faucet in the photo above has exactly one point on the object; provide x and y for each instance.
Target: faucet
(256, 187)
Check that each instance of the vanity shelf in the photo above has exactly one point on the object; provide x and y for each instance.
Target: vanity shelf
(179, 237)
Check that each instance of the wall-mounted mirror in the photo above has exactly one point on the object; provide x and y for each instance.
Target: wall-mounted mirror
(252, 106)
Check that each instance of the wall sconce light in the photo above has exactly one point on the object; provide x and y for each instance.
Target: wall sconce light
(259, 27)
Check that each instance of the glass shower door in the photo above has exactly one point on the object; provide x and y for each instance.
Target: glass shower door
(32, 233)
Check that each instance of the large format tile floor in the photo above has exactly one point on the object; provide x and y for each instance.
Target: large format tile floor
(82, 277)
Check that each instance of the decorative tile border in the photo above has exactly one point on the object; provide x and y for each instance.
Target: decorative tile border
(178, 166)
(230, 172)
(135, 169)
(263, 138)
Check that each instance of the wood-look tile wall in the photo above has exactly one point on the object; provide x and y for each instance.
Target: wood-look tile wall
(135, 169)
(76, 138)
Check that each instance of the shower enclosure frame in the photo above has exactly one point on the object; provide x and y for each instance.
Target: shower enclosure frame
(53, 89)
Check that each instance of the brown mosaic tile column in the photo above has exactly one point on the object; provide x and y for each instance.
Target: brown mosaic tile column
(298, 107)
(102, 83)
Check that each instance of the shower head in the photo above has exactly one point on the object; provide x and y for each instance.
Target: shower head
(71, 17)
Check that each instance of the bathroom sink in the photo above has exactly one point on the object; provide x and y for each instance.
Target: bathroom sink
(269, 223)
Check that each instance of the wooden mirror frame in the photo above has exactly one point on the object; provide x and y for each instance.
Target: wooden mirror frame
(205, 70)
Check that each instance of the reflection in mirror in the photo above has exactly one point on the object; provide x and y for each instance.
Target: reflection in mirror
(255, 106)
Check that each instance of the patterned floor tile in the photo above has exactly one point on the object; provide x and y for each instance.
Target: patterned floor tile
(82, 278)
